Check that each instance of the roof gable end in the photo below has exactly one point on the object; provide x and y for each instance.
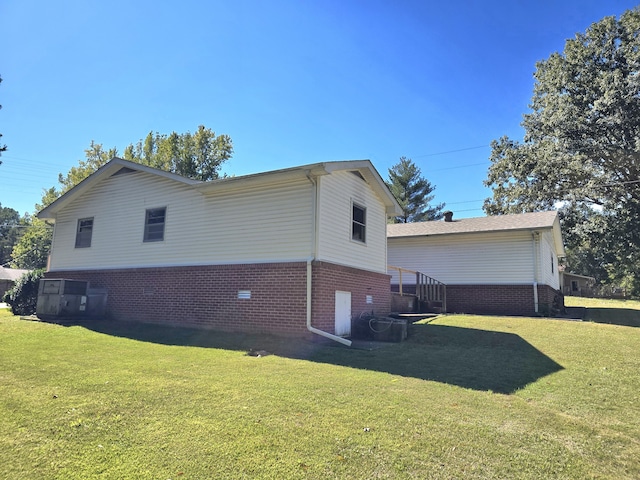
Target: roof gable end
(115, 166)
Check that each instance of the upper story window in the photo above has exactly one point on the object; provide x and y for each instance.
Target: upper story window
(358, 223)
(154, 224)
(84, 232)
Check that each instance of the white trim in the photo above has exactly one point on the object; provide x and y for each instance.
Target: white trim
(164, 224)
(188, 264)
(357, 204)
(236, 262)
(78, 226)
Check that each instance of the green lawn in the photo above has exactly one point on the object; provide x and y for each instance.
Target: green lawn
(464, 397)
(616, 312)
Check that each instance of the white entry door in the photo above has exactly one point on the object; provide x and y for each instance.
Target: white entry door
(343, 313)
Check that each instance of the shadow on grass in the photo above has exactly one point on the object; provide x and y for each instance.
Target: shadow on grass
(626, 317)
(470, 358)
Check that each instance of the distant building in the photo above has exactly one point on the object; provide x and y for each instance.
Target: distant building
(8, 278)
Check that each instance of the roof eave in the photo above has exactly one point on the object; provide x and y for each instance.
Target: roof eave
(365, 167)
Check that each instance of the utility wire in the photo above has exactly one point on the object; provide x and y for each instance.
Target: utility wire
(450, 151)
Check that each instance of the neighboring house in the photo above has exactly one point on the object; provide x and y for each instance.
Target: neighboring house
(504, 264)
(8, 278)
(576, 285)
(284, 252)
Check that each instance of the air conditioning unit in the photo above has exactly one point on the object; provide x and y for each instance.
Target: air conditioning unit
(60, 297)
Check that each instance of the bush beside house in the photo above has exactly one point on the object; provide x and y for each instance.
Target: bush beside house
(23, 297)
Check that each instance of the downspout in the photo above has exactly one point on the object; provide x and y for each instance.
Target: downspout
(53, 237)
(314, 234)
(534, 237)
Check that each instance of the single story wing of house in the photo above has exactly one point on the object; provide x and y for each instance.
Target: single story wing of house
(287, 251)
(505, 264)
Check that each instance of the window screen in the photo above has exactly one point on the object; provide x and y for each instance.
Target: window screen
(358, 230)
(154, 225)
(84, 232)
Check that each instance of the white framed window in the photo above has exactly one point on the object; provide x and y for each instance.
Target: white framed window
(358, 223)
(154, 224)
(84, 232)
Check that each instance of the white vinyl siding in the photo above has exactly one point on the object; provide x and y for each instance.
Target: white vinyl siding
(337, 193)
(265, 224)
(491, 258)
(549, 274)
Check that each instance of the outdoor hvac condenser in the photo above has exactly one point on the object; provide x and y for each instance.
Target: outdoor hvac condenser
(61, 297)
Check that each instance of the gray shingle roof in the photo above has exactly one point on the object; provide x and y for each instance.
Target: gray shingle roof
(496, 223)
(12, 274)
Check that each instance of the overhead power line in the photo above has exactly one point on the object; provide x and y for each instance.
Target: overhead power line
(450, 151)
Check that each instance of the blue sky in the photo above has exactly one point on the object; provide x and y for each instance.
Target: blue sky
(292, 82)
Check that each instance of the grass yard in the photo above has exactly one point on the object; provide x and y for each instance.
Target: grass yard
(616, 312)
(466, 397)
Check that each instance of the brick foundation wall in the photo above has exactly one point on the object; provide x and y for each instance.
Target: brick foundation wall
(499, 299)
(496, 299)
(207, 296)
(327, 278)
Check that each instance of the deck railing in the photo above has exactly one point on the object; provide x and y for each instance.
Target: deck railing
(429, 291)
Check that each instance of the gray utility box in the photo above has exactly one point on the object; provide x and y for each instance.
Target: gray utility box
(62, 298)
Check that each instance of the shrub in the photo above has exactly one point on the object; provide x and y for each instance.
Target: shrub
(23, 297)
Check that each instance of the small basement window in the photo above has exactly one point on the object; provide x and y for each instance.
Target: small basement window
(84, 232)
(358, 221)
(154, 224)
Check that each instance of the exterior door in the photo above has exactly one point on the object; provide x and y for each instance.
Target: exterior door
(343, 313)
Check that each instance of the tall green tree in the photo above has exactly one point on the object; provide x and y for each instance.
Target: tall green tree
(32, 250)
(199, 155)
(9, 232)
(413, 192)
(581, 148)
